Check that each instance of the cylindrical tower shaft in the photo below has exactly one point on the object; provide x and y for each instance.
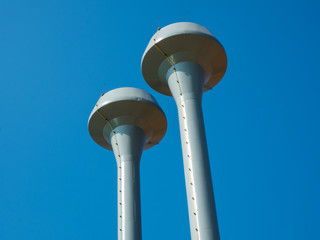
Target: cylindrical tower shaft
(128, 143)
(186, 83)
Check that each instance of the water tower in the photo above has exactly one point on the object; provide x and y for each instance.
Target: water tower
(127, 121)
(184, 60)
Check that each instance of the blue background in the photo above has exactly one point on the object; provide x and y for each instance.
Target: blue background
(262, 119)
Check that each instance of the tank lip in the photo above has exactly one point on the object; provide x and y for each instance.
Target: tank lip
(116, 97)
(193, 29)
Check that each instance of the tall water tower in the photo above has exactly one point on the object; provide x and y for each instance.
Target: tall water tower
(127, 121)
(184, 60)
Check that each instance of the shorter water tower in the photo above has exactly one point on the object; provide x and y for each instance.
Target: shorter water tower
(127, 121)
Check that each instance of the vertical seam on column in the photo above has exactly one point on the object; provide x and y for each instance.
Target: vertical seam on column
(119, 166)
(195, 218)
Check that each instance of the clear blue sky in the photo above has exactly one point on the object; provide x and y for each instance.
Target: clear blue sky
(262, 119)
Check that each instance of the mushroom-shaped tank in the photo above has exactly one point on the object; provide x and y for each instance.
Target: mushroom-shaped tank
(127, 106)
(183, 42)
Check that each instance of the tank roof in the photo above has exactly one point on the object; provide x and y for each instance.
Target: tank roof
(127, 106)
(180, 42)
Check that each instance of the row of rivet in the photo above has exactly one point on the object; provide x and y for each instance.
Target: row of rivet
(119, 170)
(192, 192)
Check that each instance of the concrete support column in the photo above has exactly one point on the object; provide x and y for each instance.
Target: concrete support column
(186, 86)
(127, 143)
